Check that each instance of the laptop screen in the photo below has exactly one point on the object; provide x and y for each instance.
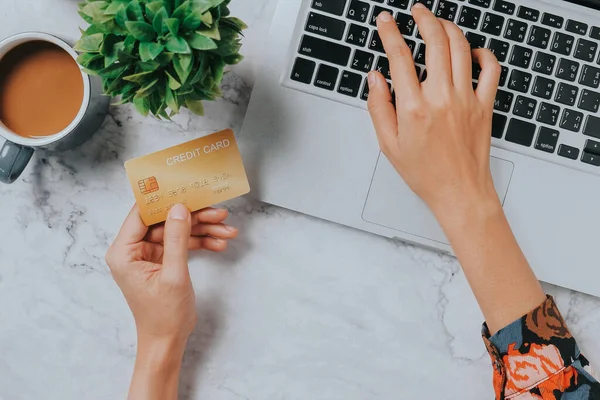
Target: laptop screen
(587, 3)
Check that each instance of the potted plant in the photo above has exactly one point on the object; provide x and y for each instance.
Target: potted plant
(160, 55)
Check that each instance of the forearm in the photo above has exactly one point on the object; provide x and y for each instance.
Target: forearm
(156, 372)
(500, 276)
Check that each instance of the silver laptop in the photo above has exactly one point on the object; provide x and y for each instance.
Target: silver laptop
(309, 145)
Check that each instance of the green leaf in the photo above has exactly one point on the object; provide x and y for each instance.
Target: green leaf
(148, 66)
(152, 8)
(112, 71)
(142, 106)
(173, 26)
(138, 78)
(195, 106)
(201, 42)
(147, 90)
(178, 44)
(90, 44)
(85, 59)
(121, 16)
(142, 31)
(182, 11)
(164, 59)
(205, 5)
(201, 69)
(212, 33)
(235, 22)
(234, 59)
(171, 100)
(218, 69)
(183, 66)
(207, 18)
(173, 83)
(192, 20)
(159, 21)
(117, 85)
(108, 44)
(150, 50)
(227, 48)
(114, 7)
(113, 56)
(134, 11)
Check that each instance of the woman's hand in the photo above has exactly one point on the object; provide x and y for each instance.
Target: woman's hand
(150, 265)
(438, 135)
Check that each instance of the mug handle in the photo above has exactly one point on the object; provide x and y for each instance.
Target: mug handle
(13, 160)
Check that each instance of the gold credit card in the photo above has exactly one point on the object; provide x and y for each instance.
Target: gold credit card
(198, 174)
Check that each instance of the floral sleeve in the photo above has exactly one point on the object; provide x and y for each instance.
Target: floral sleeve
(536, 357)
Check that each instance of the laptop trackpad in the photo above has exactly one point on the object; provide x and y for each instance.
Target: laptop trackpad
(391, 203)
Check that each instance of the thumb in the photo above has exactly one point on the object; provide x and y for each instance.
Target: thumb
(178, 228)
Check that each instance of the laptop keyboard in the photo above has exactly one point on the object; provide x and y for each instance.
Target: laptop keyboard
(549, 88)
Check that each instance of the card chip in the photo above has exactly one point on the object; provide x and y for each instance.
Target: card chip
(148, 185)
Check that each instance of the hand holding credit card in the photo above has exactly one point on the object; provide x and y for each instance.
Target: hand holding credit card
(198, 174)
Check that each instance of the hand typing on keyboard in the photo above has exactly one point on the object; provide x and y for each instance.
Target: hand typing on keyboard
(439, 134)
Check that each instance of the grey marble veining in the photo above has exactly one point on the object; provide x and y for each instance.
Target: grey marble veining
(298, 308)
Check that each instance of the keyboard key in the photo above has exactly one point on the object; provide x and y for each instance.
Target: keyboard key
(595, 33)
(303, 70)
(546, 140)
(426, 3)
(325, 26)
(586, 50)
(357, 35)
(548, 113)
(568, 152)
(499, 48)
(528, 13)
(562, 43)
(520, 132)
(516, 30)
(503, 101)
(571, 120)
(503, 76)
(567, 69)
(543, 87)
(492, 24)
(520, 57)
(446, 10)
(589, 101)
(505, 7)
(480, 3)
(552, 20)
(592, 126)
(469, 17)
(519, 81)
(590, 159)
(539, 37)
(406, 23)
(325, 51)
(376, 43)
(333, 7)
(420, 56)
(383, 66)
(376, 11)
(358, 10)
(525, 107)
(424, 75)
(476, 41)
(362, 61)
(590, 76)
(593, 147)
(576, 27)
(544, 63)
(397, 3)
(475, 71)
(350, 84)
(498, 125)
(566, 94)
(365, 92)
(326, 77)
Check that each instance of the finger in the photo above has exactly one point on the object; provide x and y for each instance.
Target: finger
(204, 216)
(207, 243)
(382, 111)
(489, 76)
(178, 229)
(133, 229)
(220, 231)
(460, 57)
(437, 52)
(402, 65)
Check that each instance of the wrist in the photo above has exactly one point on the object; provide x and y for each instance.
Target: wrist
(160, 355)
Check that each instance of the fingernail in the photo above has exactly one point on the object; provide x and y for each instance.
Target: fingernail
(419, 5)
(385, 16)
(178, 211)
(372, 80)
(230, 228)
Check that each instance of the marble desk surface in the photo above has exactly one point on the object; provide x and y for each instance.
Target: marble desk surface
(298, 308)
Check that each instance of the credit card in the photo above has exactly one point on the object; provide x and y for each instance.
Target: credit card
(198, 174)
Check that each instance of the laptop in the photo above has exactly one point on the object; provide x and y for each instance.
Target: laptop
(309, 144)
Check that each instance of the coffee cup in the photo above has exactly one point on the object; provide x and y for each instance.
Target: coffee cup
(73, 128)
